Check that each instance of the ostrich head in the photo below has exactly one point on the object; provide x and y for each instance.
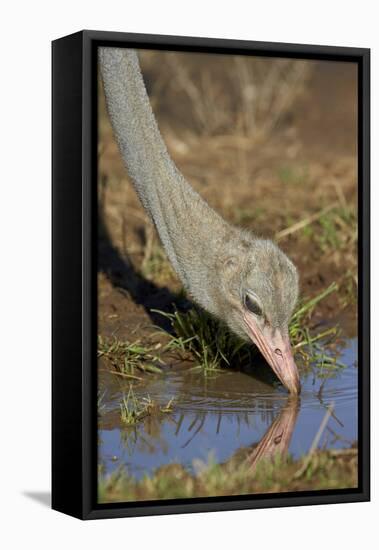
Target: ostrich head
(259, 287)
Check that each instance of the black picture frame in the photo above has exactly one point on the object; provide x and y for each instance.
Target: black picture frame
(74, 205)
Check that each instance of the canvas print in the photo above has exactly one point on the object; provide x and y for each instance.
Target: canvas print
(227, 275)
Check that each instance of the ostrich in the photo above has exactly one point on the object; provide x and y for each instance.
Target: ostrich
(243, 280)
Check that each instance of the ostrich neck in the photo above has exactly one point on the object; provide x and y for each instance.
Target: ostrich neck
(191, 232)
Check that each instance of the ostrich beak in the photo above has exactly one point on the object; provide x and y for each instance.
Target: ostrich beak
(275, 347)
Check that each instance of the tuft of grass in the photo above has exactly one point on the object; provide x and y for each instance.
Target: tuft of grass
(338, 230)
(133, 409)
(311, 346)
(349, 290)
(334, 228)
(128, 357)
(207, 341)
(332, 469)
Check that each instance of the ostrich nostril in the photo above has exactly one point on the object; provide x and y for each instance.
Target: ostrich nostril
(279, 352)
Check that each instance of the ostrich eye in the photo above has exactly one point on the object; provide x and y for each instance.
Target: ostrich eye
(252, 306)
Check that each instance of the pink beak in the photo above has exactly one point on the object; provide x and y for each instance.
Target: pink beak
(276, 349)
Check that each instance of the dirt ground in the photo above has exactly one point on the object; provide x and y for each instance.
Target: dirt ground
(299, 169)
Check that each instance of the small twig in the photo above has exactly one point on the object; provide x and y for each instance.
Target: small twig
(123, 375)
(343, 452)
(136, 214)
(149, 241)
(303, 223)
(316, 338)
(315, 442)
(340, 194)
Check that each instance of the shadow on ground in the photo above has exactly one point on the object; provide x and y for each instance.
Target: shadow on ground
(42, 497)
(123, 275)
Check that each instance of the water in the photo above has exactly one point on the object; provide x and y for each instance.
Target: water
(215, 417)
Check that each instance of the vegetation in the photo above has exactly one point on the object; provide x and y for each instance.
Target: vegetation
(266, 90)
(312, 346)
(333, 469)
(133, 409)
(333, 234)
(338, 229)
(199, 336)
(128, 357)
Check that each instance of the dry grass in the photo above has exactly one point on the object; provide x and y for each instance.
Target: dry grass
(238, 96)
(334, 469)
(127, 358)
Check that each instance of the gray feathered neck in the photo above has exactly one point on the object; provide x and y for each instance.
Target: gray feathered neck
(193, 235)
